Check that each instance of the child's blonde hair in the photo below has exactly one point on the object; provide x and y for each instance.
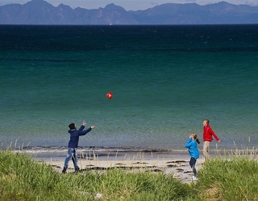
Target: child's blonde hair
(195, 137)
(207, 121)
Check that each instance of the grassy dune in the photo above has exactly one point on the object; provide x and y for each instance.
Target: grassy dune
(234, 179)
(21, 178)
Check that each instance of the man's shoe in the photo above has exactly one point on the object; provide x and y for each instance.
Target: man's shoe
(64, 170)
(77, 169)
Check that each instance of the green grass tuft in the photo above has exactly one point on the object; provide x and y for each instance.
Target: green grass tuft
(233, 179)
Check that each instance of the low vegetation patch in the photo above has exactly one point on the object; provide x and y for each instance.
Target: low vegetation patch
(22, 179)
(232, 179)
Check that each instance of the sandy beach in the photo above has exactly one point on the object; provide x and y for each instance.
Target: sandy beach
(166, 162)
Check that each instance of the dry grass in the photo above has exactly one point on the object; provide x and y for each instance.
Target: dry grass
(212, 194)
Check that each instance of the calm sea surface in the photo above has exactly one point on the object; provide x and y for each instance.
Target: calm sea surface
(165, 80)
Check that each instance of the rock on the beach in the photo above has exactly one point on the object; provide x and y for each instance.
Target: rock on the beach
(98, 195)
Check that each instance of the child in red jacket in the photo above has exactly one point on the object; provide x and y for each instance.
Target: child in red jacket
(208, 133)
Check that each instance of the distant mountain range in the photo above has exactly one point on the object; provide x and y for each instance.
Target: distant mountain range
(40, 12)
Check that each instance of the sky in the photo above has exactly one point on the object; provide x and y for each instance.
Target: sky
(129, 4)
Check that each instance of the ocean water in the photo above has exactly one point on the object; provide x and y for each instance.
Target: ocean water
(165, 80)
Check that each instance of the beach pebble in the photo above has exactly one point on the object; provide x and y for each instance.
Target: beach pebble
(98, 195)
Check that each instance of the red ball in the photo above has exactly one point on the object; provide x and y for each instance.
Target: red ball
(109, 95)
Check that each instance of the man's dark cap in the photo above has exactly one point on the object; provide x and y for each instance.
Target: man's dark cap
(72, 126)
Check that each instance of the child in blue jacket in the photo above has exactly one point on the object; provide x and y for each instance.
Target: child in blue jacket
(191, 144)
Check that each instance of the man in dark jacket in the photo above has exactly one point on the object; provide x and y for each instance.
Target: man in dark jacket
(73, 144)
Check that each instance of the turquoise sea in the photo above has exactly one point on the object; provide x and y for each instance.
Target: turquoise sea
(165, 80)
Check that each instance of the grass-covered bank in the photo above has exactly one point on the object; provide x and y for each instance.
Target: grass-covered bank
(234, 179)
(24, 179)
